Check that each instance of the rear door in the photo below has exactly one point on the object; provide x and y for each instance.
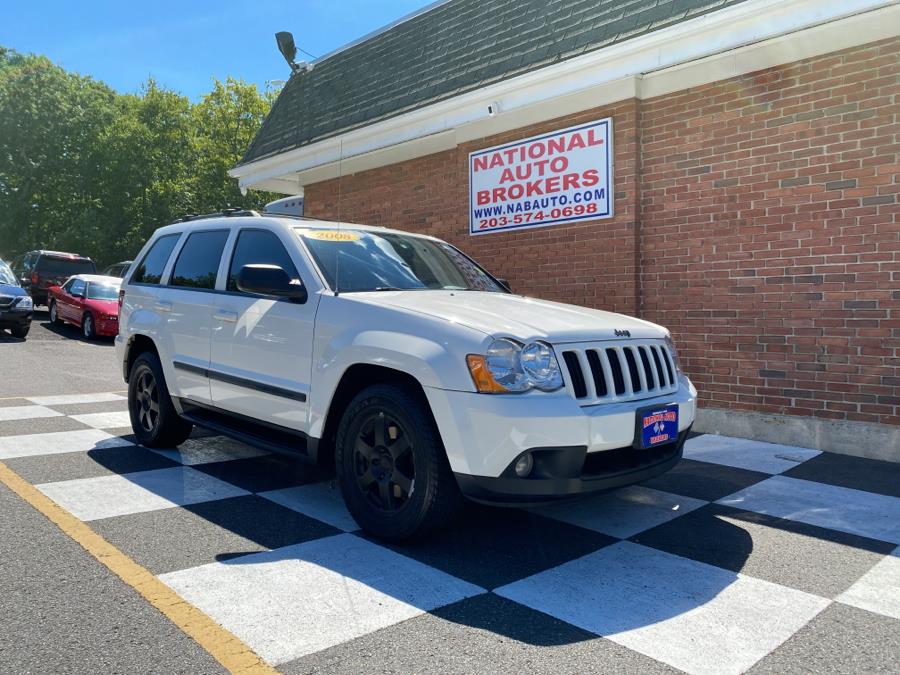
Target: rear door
(187, 302)
(261, 358)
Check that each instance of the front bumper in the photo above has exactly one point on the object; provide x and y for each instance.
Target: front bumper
(568, 472)
(15, 318)
(107, 327)
(484, 433)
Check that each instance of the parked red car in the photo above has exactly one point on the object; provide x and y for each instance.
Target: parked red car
(89, 301)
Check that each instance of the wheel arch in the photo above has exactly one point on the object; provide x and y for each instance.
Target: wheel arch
(353, 380)
(137, 345)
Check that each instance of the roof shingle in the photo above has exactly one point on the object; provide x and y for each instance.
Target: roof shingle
(448, 50)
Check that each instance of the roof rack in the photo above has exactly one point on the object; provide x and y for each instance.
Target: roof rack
(226, 213)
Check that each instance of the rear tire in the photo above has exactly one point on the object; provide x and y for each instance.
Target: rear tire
(88, 329)
(154, 420)
(20, 331)
(54, 314)
(392, 466)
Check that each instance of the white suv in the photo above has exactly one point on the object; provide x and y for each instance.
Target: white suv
(396, 356)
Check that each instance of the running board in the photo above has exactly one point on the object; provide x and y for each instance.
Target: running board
(262, 435)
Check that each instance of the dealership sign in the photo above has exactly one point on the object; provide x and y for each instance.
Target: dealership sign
(555, 178)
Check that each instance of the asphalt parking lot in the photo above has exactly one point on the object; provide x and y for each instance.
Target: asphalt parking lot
(746, 557)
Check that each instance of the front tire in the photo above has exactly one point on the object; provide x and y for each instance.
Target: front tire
(54, 314)
(88, 329)
(392, 466)
(20, 331)
(154, 420)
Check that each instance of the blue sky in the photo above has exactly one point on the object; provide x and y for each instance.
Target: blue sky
(185, 44)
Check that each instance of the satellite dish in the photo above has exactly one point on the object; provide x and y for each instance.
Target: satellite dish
(288, 49)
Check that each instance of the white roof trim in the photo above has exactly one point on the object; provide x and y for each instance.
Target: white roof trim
(706, 49)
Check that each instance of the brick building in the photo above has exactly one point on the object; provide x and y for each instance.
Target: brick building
(754, 178)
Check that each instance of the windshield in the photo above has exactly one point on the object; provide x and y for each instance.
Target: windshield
(6, 275)
(64, 266)
(102, 292)
(382, 261)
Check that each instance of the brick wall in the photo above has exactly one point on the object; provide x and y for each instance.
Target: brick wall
(757, 218)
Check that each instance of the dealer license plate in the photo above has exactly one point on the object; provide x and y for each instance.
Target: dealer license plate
(657, 425)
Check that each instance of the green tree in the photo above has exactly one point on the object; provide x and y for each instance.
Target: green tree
(226, 119)
(85, 169)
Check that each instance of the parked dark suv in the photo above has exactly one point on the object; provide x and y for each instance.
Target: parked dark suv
(15, 305)
(38, 270)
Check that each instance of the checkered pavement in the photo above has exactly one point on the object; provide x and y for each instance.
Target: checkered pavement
(746, 556)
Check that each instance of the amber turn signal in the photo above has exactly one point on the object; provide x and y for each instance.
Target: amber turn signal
(481, 376)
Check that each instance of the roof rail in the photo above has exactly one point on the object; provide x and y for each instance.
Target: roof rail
(226, 213)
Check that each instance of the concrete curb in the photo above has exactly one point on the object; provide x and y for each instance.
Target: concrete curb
(860, 439)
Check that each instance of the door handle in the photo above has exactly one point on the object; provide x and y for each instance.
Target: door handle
(163, 306)
(224, 315)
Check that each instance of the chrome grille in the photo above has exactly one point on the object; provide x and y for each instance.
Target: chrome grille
(620, 370)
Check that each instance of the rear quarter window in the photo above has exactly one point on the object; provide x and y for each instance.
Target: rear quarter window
(150, 269)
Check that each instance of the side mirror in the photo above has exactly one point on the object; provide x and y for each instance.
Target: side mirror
(505, 284)
(270, 280)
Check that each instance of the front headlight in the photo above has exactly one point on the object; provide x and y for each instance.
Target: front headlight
(510, 367)
(670, 343)
(24, 302)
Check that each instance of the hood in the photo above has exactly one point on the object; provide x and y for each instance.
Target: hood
(11, 290)
(507, 315)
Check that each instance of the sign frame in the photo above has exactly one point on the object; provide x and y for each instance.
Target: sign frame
(602, 214)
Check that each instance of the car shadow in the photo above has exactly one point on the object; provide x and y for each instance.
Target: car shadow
(71, 332)
(487, 547)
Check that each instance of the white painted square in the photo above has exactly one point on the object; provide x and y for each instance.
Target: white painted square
(878, 590)
(300, 599)
(210, 449)
(690, 615)
(105, 420)
(66, 399)
(837, 508)
(319, 500)
(744, 453)
(26, 412)
(108, 496)
(57, 443)
(624, 512)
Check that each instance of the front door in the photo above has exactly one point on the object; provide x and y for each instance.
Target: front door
(67, 302)
(261, 358)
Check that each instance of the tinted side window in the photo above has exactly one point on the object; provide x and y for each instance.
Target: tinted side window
(151, 268)
(198, 262)
(255, 247)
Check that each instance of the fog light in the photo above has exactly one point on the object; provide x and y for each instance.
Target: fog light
(524, 465)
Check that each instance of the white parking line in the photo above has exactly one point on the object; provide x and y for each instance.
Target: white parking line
(301, 599)
(693, 616)
(26, 412)
(57, 442)
(75, 398)
(837, 508)
(119, 495)
(745, 453)
(624, 512)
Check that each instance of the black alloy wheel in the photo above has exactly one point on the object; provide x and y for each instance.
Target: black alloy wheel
(383, 462)
(391, 464)
(154, 419)
(147, 398)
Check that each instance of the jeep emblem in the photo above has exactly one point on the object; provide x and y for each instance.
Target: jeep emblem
(622, 333)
